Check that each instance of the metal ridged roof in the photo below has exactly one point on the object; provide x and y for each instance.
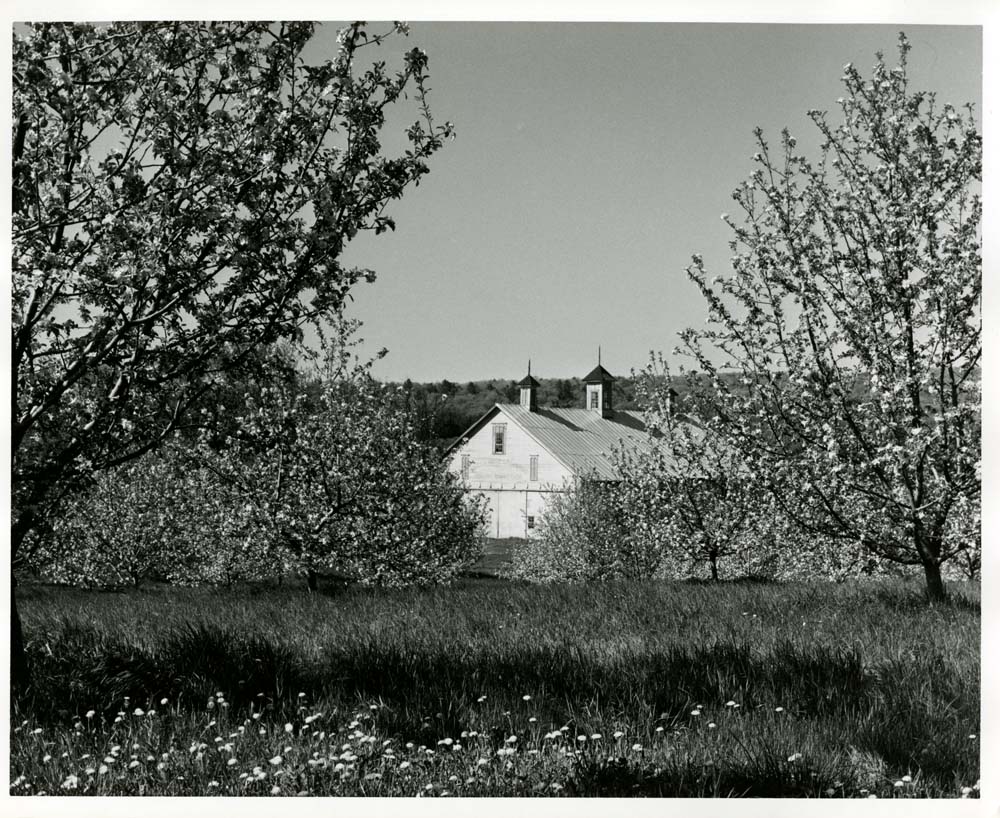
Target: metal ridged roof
(581, 438)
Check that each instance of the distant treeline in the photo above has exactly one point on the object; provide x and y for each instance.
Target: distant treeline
(446, 409)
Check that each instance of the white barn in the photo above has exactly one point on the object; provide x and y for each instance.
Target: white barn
(517, 455)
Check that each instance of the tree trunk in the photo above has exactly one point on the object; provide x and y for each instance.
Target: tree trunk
(312, 581)
(19, 672)
(715, 570)
(935, 587)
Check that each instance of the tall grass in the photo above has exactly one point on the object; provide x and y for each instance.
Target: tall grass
(689, 689)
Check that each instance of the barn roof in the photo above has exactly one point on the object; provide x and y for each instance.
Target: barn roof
(598, 375)
(581, 439)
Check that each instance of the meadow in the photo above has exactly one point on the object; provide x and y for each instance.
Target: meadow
(494, 688)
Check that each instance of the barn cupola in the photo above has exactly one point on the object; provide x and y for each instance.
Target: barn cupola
(529, 392)
(600, 384)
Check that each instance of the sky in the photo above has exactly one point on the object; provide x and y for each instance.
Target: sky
(591, 161)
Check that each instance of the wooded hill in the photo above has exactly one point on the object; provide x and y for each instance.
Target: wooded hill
(445, 409)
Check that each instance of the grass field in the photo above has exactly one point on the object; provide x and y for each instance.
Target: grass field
(496, 688)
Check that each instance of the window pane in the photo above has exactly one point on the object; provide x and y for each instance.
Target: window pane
(533, 467)
(498, 438)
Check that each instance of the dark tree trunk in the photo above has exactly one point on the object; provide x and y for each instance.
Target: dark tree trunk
(312, 581)
(715, 570)
(935, 587)
(19, 673)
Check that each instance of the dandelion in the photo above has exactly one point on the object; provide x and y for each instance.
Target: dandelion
(526, 698)
(404, 765)
(581, 737)
(659, 729)
(637, 748)
(302, 695)
(618, 734)
(288, 727)
(906, 779)
(150, 712)
(695, 712)
(730, 703)
(972, 736)
(133, 764)
(794, 757)
(36, 731)
(510, 739)
(966, 792)
(595, 736)
(482, 762)
(46, 758)
(71, 782)
(275, 761)
(481, 699)
(532, 720)
(102, 770)
(779, 709)
(898, 784)
(275, 790)
(138, 712)
(164, 701)
(712, 725)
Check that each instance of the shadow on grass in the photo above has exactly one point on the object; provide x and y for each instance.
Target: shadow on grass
(617, 778)
(429, 692)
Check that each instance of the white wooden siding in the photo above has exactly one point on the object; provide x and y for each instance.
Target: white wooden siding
(513, 468)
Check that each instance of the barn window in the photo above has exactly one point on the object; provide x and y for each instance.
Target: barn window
(531, 521)
(533, 467)
(499, 438)
(593, 399)
(465, 467)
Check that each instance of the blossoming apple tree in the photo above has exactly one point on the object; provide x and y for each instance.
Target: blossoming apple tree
(336, 478)
(853, 318)
(182, 193)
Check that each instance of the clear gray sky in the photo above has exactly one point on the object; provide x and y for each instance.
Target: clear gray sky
(591, 161)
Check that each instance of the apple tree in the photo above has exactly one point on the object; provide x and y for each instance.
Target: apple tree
(853, 318)
(182, 193)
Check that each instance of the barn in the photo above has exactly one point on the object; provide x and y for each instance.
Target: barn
(517, 454)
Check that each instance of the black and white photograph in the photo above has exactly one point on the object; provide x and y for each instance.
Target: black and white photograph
(506, 407)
